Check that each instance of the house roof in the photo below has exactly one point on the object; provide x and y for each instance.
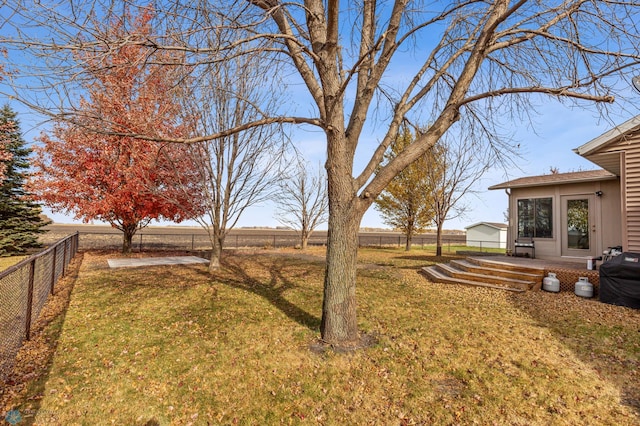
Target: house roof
(599, 150)
(609, 136)
(490, 224)
(556, 179)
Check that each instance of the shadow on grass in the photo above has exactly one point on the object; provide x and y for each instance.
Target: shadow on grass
(272, 289)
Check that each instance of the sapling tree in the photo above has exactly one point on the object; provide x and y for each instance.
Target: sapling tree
(405, 202)
(301, 201)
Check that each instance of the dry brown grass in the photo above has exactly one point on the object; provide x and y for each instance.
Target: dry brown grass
(173, 345)
(6, 262)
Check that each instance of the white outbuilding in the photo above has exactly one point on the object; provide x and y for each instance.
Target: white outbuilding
(487, 235)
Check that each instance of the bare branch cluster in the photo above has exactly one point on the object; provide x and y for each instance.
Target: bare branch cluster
(241, 169)
(301, 201)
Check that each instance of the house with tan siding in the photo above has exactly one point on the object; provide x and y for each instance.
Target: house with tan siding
(580, 214)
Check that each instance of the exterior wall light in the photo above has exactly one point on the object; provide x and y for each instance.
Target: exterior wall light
(635, 82)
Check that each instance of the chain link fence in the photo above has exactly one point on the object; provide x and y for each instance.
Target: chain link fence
(149, 241)
(24, 289)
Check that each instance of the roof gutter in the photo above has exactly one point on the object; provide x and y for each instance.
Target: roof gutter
(593, 145)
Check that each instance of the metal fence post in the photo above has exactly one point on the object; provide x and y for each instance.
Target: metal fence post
(32, 273)
(64, 258)
(21, 327)
(74, 243)
(53, 268)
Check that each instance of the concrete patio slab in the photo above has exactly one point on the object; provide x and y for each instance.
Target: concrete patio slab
(155, 261)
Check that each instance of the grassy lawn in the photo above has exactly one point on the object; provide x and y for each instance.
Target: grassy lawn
(173, 345)
(6, 262)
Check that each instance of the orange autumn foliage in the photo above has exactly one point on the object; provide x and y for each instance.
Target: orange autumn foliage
(97, 172)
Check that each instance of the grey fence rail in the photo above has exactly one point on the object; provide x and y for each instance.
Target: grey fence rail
(200, 241)
(24, 289)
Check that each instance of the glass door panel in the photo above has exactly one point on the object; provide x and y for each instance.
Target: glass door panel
(578, 231)
(578, 224)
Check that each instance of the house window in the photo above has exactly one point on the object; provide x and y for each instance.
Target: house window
(535, 218)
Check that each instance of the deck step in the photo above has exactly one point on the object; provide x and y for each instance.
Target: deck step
(436, 275)
(453, 272)
(494, 270)
(496, 264)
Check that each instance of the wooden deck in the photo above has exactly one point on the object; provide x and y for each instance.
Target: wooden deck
(567, 271)
(573, 264)
(502, 272)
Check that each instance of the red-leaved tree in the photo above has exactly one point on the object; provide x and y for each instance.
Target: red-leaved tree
(124, 181)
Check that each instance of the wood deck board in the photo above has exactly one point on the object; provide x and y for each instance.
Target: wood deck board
(493, 270)
(436, 276)
(452, 271)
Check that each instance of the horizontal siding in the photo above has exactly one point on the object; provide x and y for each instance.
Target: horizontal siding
(626, 144)
(632, 185)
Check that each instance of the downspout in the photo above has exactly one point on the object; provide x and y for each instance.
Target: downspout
(509, 229)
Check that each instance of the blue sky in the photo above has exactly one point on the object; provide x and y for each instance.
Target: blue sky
(549, 143)
(556, 130)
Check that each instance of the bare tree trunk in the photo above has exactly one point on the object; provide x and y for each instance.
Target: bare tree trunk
(304, 240)
(216, 252)
(409, 239)
(217, 243)
(439, 239)
(128, 232)
(339, 325)
(339, 322)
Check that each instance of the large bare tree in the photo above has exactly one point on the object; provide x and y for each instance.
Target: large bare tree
(366, 66)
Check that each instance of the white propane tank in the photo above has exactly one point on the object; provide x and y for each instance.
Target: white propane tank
(551, 283)
(584, 288)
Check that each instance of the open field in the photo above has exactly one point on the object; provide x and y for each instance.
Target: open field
(174, 345)
(195, 238)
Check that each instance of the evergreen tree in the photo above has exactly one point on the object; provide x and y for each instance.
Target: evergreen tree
(20, 220)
